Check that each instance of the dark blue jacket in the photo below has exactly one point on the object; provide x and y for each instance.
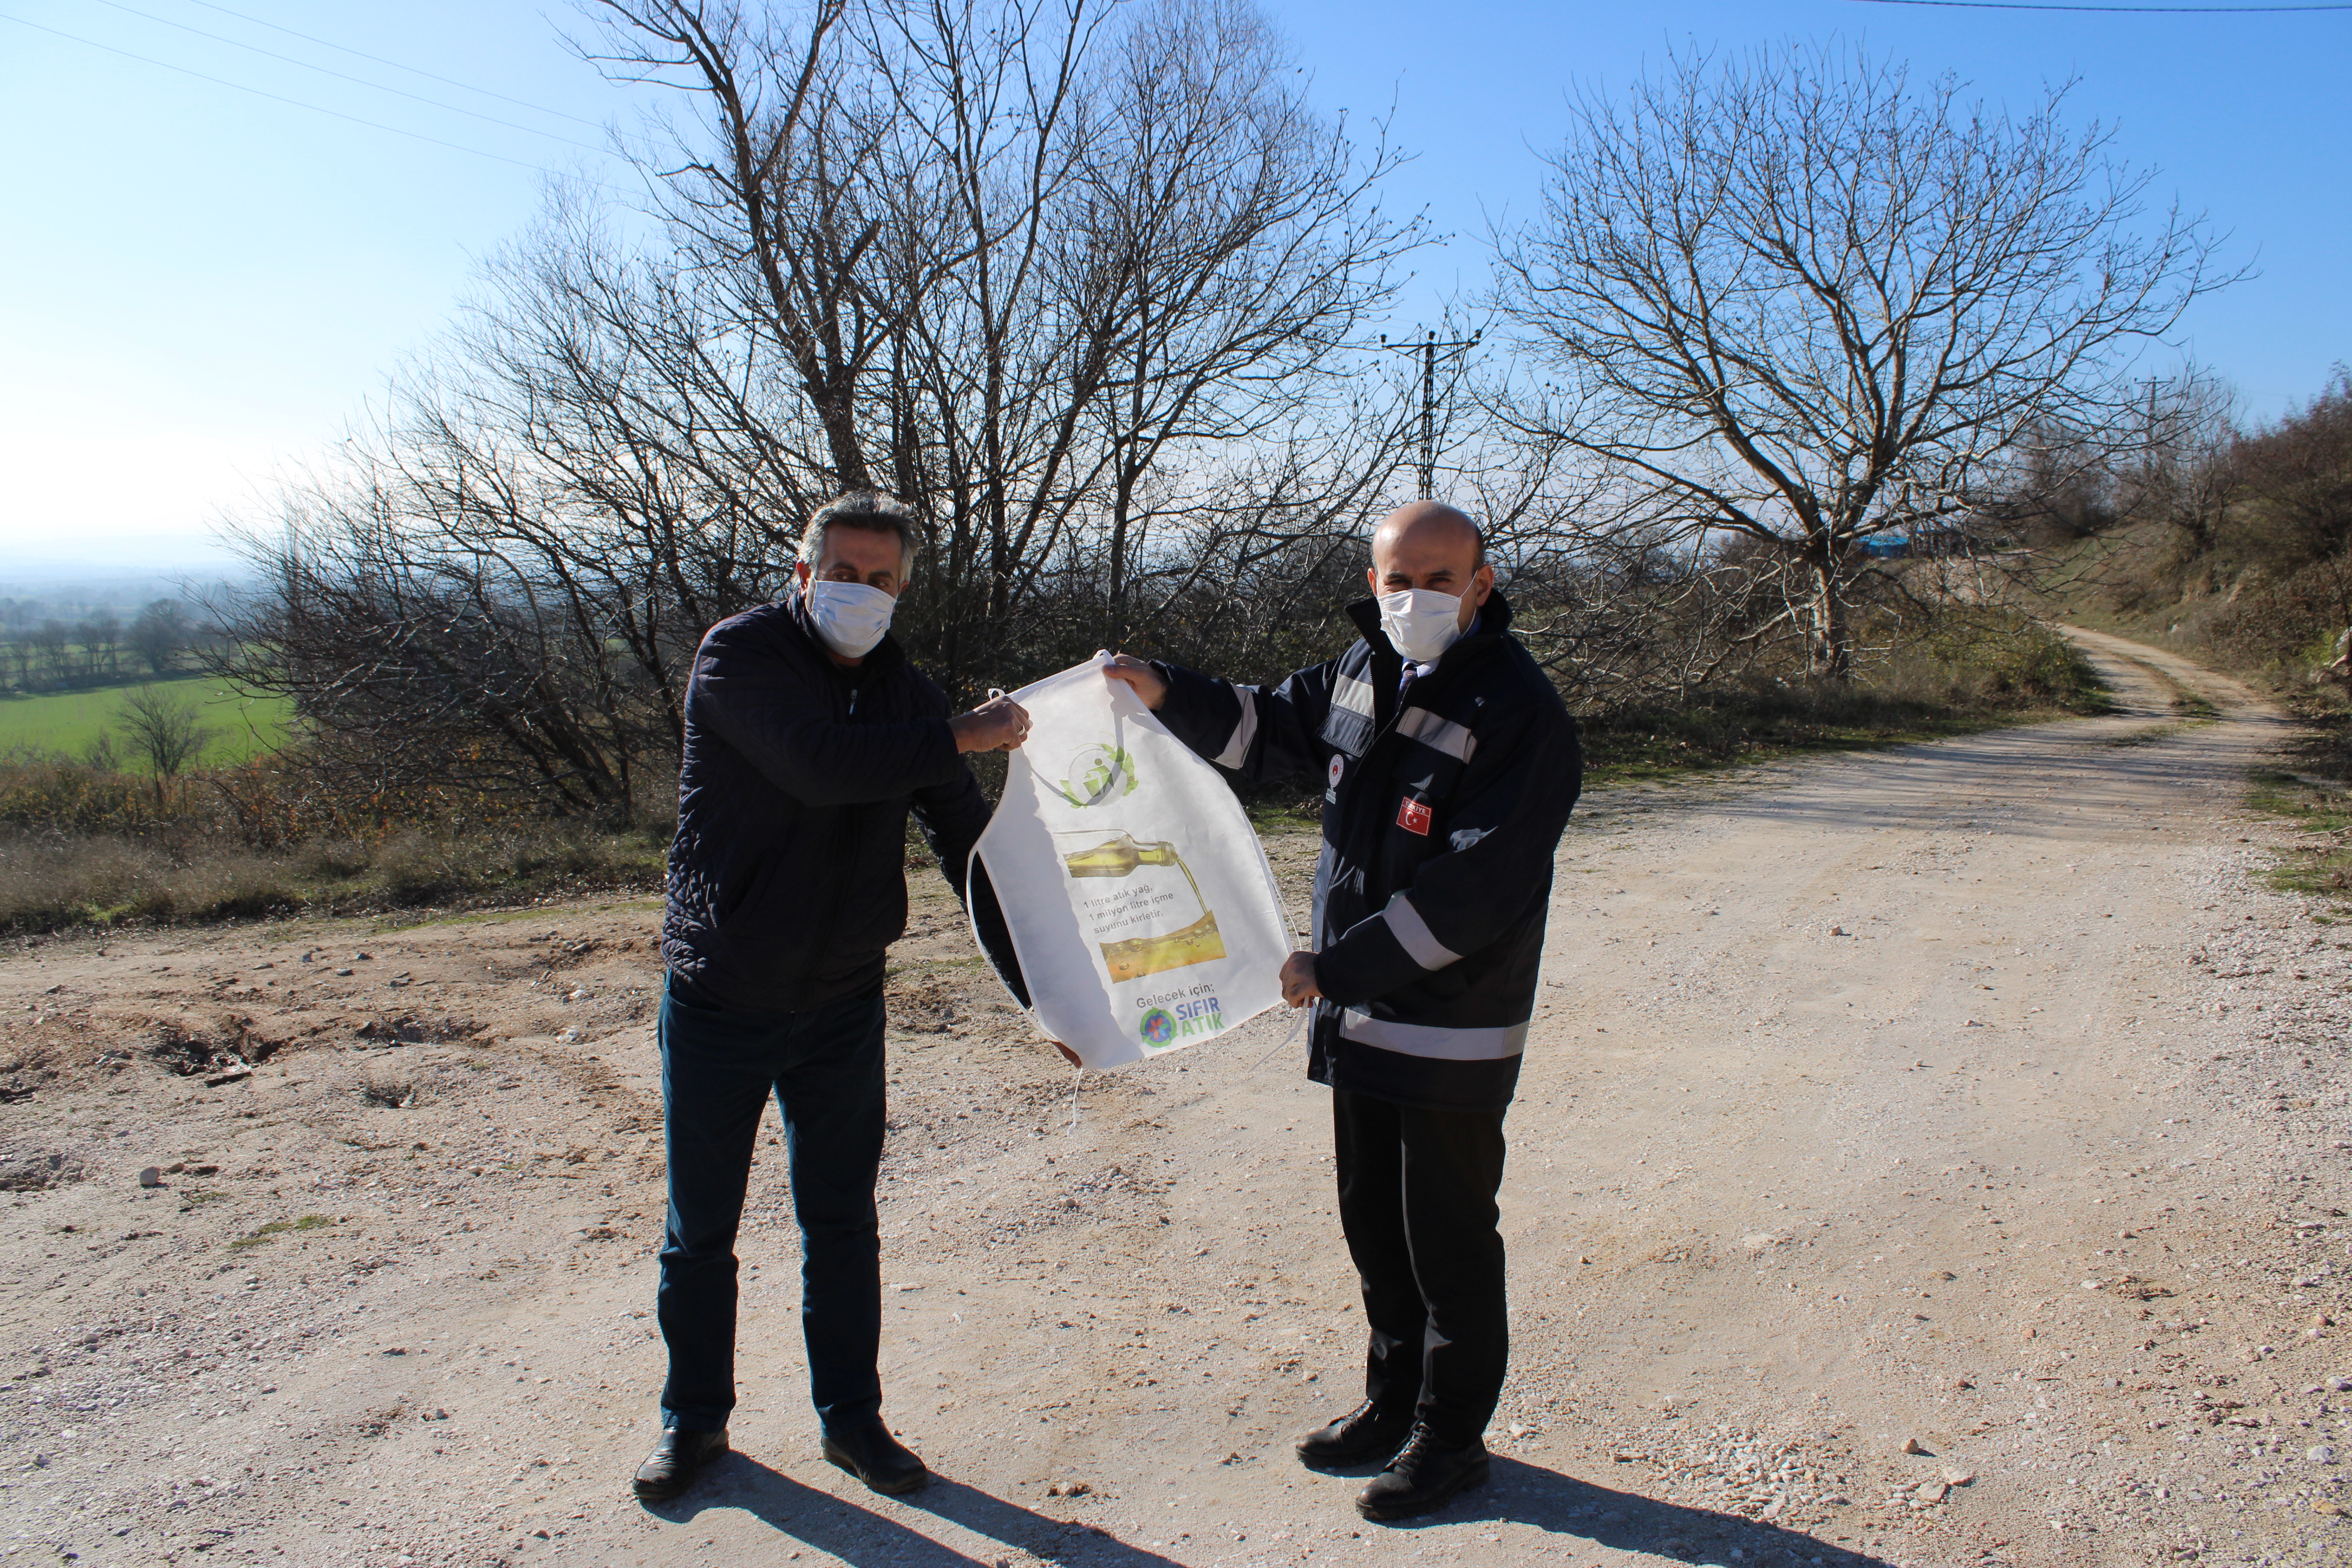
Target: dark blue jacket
(787, 879)
(1441, 816)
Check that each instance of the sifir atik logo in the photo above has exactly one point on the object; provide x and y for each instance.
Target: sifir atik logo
(1099, 774)
(1164, 1026)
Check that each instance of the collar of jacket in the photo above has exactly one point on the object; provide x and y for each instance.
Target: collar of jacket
(1493, 620)
(880, 660)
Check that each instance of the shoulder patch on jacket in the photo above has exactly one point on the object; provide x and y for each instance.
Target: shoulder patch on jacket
(1348, 724)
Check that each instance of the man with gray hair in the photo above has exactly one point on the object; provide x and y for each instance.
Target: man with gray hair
(809, 737)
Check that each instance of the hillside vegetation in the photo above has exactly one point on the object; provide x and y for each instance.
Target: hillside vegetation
(2231, 543)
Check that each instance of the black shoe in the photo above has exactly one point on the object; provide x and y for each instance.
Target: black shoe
(671, 1468)
(1367, 1432)
(877, 1459)
(1422, 1476)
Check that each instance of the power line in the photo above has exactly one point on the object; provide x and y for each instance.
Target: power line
(345, 76)
(2140, 10)
(379, 59)
(279, 98)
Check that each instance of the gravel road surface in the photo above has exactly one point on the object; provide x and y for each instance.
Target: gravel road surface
(1937, 1156)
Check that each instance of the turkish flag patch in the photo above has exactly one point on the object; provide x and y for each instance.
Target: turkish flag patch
(1413, 816)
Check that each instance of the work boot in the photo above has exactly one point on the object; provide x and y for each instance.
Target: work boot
(877, 1459)
(1369, 1431)
(671, 1468)
(1422, 1476)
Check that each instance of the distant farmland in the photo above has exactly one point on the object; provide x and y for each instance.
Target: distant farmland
(243, 725)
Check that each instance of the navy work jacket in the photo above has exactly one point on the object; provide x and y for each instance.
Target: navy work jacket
(1442, 809)
(787, 879)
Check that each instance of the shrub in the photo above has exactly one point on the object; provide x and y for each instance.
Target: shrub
(49, 880)
(1972, 667)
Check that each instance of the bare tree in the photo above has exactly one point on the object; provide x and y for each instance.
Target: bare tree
(51, 639)
(161, 727)
(106, 641)
(420, 657)
(2183, 469)
(160, 634)
(1027, 262)
(1084, 284)
(1796, 298)
(1233, 250)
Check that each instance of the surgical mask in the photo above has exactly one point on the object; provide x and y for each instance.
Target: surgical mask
(850, 617)
(1422, 622)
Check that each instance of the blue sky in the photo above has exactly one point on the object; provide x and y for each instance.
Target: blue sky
(204, 286)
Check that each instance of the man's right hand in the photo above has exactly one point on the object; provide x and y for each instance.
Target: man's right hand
(1140, 678)
(999, 724)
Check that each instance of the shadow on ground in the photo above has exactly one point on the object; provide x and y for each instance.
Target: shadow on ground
(1519, 1493)
(864, 1538)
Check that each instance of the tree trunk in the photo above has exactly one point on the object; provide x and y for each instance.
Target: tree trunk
(1115, 611)
(1828, 653)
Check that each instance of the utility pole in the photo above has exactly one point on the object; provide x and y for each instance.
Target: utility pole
(1427, 348)
(2153, 383)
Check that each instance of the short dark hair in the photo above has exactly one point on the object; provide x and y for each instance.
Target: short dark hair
(868, 510)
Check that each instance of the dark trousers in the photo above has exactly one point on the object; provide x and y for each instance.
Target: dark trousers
(1417, 1201)
(825, 1067)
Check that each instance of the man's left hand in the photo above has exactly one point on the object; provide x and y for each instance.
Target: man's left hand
(1298, 987)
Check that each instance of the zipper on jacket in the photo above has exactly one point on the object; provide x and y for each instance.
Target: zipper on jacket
(849, 838)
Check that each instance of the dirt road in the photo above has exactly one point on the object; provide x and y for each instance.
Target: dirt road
(1969, 1096)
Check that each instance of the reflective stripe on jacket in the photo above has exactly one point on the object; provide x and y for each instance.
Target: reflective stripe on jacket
(1441, 813)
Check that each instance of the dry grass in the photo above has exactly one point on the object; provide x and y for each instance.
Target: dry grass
(53, 881)
(1995, 669)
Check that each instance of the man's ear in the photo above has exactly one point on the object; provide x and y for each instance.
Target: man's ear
(1372, 579)
(801, 572)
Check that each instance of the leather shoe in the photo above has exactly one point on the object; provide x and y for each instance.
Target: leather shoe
(671, 1468)
(877, 1459)
(1423, 1477)
(1367, 1432)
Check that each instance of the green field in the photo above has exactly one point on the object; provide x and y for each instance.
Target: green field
(243, 726)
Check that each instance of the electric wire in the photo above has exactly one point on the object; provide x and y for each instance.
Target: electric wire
(295, 103)
(413, 70)
(346, 76)
(2132, 10)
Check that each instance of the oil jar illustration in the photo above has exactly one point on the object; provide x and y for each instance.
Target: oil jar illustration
(1145, 904)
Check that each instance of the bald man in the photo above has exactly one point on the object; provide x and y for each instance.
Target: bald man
(1450, 766)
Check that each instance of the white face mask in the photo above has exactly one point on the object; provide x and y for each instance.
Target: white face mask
(850, 617)
(1422, 622)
